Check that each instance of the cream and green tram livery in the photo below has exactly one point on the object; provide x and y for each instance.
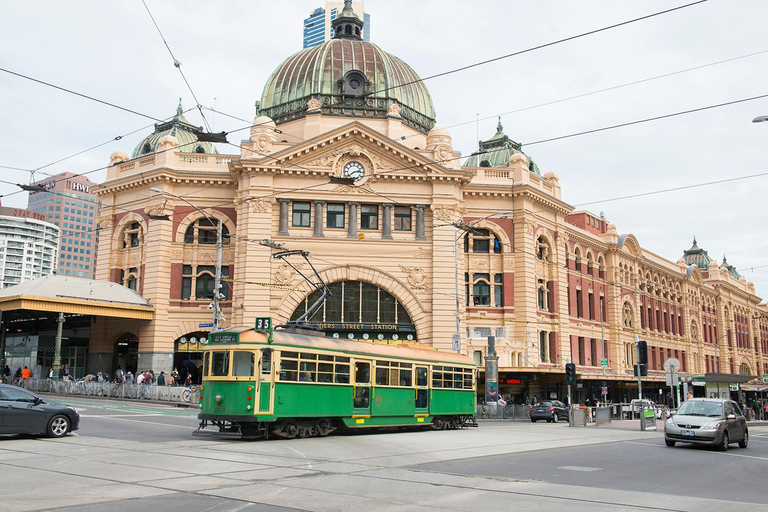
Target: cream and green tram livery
(286, 384)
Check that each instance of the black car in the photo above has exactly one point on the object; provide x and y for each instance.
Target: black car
(22, 412)
(550, 410)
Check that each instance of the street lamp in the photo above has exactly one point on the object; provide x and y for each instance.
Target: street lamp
(760, 119)
(467, 227)
(217, 280)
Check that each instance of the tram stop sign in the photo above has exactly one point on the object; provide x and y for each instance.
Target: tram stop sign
(456, 342)
(604, 363)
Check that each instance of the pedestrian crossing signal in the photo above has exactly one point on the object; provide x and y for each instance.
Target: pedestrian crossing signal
(570, 373)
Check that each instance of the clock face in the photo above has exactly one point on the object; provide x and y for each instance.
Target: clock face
(354, 170)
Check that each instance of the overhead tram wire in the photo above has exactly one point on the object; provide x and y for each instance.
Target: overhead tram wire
(177, 65)
(539, 47)
(80, 94)
(599, 91)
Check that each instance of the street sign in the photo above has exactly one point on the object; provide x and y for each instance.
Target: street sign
(673, 379)
(672, 365)
(604, 363)
(206, 325)
(765, 379)
(456, 342)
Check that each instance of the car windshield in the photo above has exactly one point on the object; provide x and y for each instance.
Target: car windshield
(544, 404)
(707, 409)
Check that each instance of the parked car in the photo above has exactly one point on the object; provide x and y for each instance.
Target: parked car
(550, 410)
(23, 412)
(709, 421)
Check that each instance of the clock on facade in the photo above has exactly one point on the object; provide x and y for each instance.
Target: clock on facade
(354, 170)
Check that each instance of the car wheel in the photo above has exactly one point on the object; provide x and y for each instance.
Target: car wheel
(744, 442)
(723, 447)
(669, 443)
(58, 426)
(554, 417)
(533, 420)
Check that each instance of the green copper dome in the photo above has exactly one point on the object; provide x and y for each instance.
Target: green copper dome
(697, 256)
(730, 268)
(496, 152)
(348, 77)
(177, 127)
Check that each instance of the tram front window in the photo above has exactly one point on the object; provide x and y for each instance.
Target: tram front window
(242, 364)
(220, 364)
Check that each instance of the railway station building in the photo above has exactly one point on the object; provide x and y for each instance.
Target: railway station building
(344, 161)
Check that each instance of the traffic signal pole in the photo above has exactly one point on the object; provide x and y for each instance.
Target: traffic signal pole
(639, 371)
(570, 407)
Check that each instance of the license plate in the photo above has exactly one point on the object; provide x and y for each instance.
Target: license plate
(687, 433)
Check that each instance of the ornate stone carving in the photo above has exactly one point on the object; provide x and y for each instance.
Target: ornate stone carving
(323, 161)
(285, 274)
(421, 252)
(445, 213)
(163, 208)
(261, 205)
(393, 110)
(106, 222)
(177, 254)
(313, 105)
(417, 278)
(481, 266)
(628, 314)
(382, 164)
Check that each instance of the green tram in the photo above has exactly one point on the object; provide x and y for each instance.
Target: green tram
(288, 384)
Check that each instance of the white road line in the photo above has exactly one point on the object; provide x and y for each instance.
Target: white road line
(580, 468)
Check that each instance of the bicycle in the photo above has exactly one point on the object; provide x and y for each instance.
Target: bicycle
(189, 393)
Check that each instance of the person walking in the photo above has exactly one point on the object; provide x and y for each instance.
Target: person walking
(161, 379)
(64, 372)
(7, 373)
(175, 377)
(765, 410)
(119, 375)
(26, 373)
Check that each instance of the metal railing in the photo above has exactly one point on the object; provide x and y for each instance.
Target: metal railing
(173, 394)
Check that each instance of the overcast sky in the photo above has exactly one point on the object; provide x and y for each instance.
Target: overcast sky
(112, 51)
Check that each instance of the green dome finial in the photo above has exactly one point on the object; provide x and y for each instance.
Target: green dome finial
(179, 110)
(499, 127)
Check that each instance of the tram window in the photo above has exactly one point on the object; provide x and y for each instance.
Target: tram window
(289, 369)
(467, 379)
(206, 357)
(406, 377)
(220, 364)
(242, 364)
(421, 377)
(325, 371)
(382, 375)
(342, 371)
(362, 372)
(307, 370)
(291, 355)
(266, 361)
(437, 377)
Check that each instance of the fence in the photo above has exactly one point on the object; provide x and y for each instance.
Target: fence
(503, 412)
(172, 394)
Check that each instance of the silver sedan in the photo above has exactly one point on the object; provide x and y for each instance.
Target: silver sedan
(707, 421)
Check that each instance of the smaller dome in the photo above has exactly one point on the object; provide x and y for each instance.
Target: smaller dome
(697, 256)
(551, 176)
(438, 131)
(498, 151)
(177, 127)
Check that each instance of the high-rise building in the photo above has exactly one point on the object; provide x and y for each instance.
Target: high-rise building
(28, 246)
(69, 203)
(318, 28)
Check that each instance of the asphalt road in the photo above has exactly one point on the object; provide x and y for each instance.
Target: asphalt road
(136, 456)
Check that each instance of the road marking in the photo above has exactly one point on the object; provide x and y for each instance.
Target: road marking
(580, 468)
(731, 454)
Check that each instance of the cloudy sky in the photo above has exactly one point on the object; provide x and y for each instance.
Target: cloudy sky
(707, 54)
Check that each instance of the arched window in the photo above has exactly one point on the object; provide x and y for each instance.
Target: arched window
(543, 251)
(132, 236)
(202, 279)
(744, 369)
(482, 241)
(199, 149)
(130, 278)
(590, 264)
(146, 148)
(577, 258)
(542, 295)
(205, 231)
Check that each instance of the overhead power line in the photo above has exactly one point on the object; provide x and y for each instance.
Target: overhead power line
(70, 91)
(539, 47)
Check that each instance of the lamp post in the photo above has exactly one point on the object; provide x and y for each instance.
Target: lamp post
(760, 119)
(217, 279)
(464, 226)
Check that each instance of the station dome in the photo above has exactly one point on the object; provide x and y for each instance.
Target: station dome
(177, 127)
(347, 76)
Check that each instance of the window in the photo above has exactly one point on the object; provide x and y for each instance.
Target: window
(204, 280)
(542, 295)
(402, 218)
(301, 214)
(481, 290)
(591, 305)
(581, 351)
(579, 305)
(593, 351)
(389, 373)
(543, 346)
(449, 377)
(220, 364)
(335, 216)
(498, 290)
(242, 364)
(481, 241)
(131, 237)
(369, 216)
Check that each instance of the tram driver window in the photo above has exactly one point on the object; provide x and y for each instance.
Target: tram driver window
(362, 373)
(220, 364)
(206, 358)
(266, 361)
(242, 364)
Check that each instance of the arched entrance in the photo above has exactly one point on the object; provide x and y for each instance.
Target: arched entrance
(188, 355)
(127, 348)
(361, 311)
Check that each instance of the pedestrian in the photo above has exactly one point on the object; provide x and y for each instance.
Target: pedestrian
(26, 374)
(140, 378)
(17, 375)
(64, 372)
(765, 410)
(7, 373)
(175, 377)
(50, 373)
(128, 377)
(119, 375)
(188, 381)
(161, 379)
(152, 378)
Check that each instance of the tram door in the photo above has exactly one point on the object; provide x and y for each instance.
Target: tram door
(265, 381)
(422, 390)
(362, 395)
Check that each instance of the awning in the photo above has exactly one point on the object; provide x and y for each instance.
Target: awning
(754, 387)
(725, 378)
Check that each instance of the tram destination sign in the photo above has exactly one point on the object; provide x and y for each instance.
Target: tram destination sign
(223, 337)
(363, 326)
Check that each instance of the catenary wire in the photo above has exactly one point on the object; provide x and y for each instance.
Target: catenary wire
(539, 47)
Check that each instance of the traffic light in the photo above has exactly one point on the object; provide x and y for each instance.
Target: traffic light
(642, 352)
(643, 370)
(570, 373)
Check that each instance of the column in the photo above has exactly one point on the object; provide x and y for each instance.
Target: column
(283, 230)
(352, 227)
(318, 218)
(420, 222)
(386, 222)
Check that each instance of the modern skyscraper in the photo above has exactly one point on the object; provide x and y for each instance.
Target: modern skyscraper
(28, 246)
(318, 27)
(69, 203)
